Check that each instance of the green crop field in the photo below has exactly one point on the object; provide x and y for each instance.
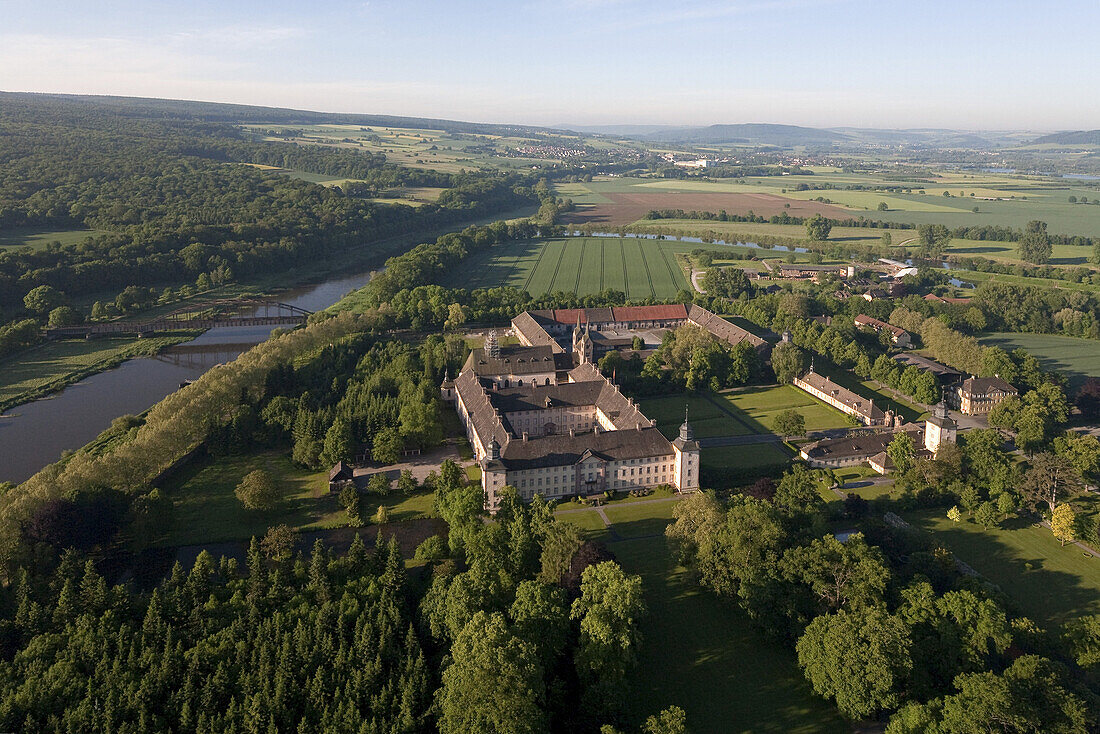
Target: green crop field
(581, 265)
(1077, 358)
(37, 237)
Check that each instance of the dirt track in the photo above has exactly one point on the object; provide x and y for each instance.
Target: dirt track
(628, 207)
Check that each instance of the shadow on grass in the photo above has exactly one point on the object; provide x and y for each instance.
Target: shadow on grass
(1045, 581)
(704, 655)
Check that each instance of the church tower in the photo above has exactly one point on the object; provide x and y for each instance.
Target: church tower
(687, 458)
(939, 428)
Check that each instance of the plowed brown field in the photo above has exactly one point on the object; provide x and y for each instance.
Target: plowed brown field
(627, 207)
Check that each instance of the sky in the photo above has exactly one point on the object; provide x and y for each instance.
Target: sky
(965, 64)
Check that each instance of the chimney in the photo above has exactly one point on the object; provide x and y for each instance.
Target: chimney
(572, 432)
(525, 436)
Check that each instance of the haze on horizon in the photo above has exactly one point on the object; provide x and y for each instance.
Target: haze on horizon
(821, 63)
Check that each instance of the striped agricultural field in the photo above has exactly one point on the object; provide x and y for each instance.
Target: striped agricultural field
(580, 265)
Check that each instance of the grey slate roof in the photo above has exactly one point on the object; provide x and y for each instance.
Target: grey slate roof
(563, 449)
(721, 328)
(518, 361)
(856, 402)
(864, 445)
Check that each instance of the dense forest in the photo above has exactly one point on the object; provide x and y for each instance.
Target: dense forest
(172, 201)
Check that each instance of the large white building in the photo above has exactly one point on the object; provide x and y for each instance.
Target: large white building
(548, 423)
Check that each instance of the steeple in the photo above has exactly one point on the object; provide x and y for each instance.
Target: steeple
(687, 433)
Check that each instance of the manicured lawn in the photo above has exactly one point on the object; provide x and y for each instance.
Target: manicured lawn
(1077, 358)
(706, 418)
(755, 456)
(587, 520)
(640, 519)
(704, 656)
(1060, 584)
(207, 511)
(761, 405)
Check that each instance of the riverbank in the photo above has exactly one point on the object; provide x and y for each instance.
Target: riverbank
(50, 367)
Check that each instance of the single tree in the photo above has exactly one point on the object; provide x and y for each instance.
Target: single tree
(1035, 245)
(1049, 478)
(381, 516)
(790, 423)
(858, 658)
(279, 542)
(818, 228)
(954, 515)
(387, 446)
(902, 452)
(1063, 523)
(788, 362)
(43, 299)
(349, 500)
(257, 491)
(406, 482)
(494, 682)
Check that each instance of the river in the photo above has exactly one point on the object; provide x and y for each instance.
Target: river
(35, 434)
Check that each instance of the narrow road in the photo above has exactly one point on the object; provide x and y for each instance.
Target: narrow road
(695, 275)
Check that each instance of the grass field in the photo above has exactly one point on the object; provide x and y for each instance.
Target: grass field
(700, 653)
(207, 511)
(580, 265)
(759, 407)
(37, 237)
(706, 418)
(760, 456)
(1060, 583)
(1077, 358)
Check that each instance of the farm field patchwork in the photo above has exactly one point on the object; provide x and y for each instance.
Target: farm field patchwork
(1001, 200)
(1077, 358)
(581, 265)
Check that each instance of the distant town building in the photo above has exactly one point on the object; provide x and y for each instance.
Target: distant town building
(979, 395)
(899, 336)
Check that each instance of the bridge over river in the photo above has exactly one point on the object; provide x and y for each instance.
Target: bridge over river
(200, 316)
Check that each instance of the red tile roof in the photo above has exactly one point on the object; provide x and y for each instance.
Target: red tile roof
(650, 313)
